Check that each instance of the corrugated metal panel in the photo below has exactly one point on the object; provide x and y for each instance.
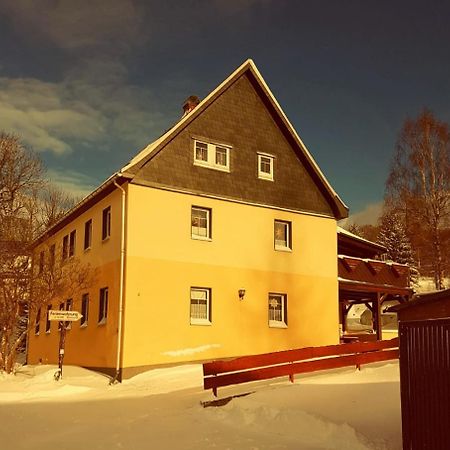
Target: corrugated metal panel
(425, 380)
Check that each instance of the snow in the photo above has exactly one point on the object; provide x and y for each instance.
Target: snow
(344, 409)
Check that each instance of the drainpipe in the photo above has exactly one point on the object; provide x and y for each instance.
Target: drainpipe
(121, 291)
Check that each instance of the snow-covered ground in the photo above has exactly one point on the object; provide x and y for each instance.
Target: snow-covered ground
(344, 409)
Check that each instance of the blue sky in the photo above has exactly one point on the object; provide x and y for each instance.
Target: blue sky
(88, 84)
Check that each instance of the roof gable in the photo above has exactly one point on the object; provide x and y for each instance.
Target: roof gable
(248, 68)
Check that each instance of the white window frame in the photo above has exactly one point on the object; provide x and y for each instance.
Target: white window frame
(211, 156)
(274, 322)
(288, 228)
(266, 175)
(208, 236)
(196, 320)
(72, 243)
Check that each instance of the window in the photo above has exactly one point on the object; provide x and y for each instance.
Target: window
(103, 306)
(200, 306)
(84, 310)
(265, 166)
(282, 235)
(65, 247)
(41, 262)
(52, 256)
(47, 322)
(69, 304)
(88, 234)
(278, 310)
(214, 156)
(72, 240)
(37, 325)
(106, 223)
(200, 223)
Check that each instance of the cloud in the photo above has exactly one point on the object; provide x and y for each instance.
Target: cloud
(367, 216)
(44, 116)
(79, 24)
(73, 182)
(92, 104)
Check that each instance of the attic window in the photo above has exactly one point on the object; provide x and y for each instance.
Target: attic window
(265, 166)
(212, 156)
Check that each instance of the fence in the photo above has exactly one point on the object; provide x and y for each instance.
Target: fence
(290, 362)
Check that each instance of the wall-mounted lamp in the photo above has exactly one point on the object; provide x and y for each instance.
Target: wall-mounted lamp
(241, 294)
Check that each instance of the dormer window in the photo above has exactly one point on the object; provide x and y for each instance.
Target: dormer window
(265, 166)
(213, 156)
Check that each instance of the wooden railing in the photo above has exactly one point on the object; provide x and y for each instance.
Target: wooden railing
(290, 362)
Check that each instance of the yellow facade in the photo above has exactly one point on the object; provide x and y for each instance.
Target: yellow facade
(163, 262)
(94, 345)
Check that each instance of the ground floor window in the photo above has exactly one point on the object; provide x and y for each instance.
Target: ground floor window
(277, 310)
(84, 310)
(103, 306)
(200, 306)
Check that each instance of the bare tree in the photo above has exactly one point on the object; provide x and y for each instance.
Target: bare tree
(24, 213)
(418, 185)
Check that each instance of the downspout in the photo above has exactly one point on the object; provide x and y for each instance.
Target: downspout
(121, 290)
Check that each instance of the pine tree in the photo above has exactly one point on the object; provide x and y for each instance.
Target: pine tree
(393, 236)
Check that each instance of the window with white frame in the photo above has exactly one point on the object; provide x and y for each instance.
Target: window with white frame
(282, 235)
(214, 156)
(103, 306)
(200, 223)
(265, 166)
(84, 310)
(278, 310)
(65, 247)
(200, 306)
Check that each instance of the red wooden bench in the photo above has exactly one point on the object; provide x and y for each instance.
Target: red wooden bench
(290, 362)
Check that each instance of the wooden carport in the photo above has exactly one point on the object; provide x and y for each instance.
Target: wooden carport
(366, 280)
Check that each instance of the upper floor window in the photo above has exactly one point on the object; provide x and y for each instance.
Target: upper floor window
(41, 261)
(200, 223)
(72, 241)
(282, 235)
(88, 234)
(278, 310)
(214, 156)
(65, 247)
(265, 166)
(106, 223)
(52, 256)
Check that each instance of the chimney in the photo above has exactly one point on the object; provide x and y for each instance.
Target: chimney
(189, 104)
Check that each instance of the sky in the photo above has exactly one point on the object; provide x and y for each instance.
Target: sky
(87, 84)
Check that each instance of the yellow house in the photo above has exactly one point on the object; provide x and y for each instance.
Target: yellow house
(216, 240)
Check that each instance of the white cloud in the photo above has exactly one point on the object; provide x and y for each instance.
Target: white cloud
(367, 216)
(75, 183)
(91, 105)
